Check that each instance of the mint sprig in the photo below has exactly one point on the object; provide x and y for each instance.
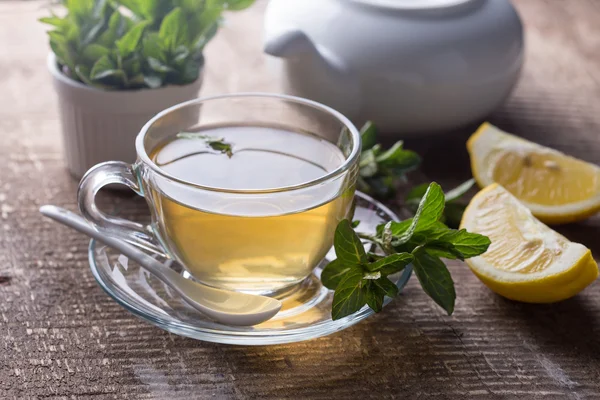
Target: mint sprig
(134, 44)
(360, 278)
(382, 171)
(357, 280)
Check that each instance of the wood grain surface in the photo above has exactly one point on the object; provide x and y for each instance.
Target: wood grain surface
(61, 336)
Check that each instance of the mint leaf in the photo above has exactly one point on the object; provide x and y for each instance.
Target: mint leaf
(441, 241)
(368, 164)
(374, 296)
(371, 276)
(466, 243)
(435, 231)
(80, 8)
(376, 290)
(131, 40)
(398, 158)
(349, 296)
(133, 66)
(181, 54)
(348, 247)
(386, 286)
(191, 72)
(380, 171)
(387, 237)
(414, 195)
(94, 51)
(223, 147)
(174, 29)
(431, 205)
(93, 33)
(438, 248)
(136, 7)
(429, 212)
(153, 81)
(83, 74)
(334, 272)
(116, 27)
(151, 47)
(99, 7)
(430, 208)
(113, 77)
(453, 211)
(72, 33)
(390, 264)
(368, 135)
(62, 50)
(459, 191)
(54, 21)
(400, 228)
(236, 5)
(152, 9)
(158, 66)
(435, 279)
(211, 141)
(102, 68)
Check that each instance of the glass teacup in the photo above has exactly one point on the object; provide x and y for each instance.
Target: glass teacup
(252, 236)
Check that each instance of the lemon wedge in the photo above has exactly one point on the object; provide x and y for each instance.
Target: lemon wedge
(527, 261)
(555, 187)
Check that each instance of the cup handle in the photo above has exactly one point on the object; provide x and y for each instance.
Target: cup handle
(114, 172)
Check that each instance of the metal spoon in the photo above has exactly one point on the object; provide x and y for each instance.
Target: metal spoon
(225, 306)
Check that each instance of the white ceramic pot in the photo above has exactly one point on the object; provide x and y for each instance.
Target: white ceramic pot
(411, 66)
(100, 125)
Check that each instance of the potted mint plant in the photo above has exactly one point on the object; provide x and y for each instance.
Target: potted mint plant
(116, 63)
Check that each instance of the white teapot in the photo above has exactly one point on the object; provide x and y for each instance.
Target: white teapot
(411, 66)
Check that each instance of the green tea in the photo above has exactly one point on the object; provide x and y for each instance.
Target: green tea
(257, 242)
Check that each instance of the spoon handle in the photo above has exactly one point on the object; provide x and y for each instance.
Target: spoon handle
(73, 220)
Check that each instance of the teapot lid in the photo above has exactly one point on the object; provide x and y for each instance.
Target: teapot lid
(413, 4)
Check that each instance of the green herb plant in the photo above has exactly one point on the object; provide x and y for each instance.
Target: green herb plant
(382, 171)
(134, 44)
(361, 277)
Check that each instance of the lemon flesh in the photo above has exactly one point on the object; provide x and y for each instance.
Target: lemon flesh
(526, 261)
(555, 187)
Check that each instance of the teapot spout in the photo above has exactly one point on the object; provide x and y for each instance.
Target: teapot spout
(331, 80)
(289, 44)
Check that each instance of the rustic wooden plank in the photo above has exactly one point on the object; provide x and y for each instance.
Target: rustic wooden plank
(62, 337)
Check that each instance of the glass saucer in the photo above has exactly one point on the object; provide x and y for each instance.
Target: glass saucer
(306, 313)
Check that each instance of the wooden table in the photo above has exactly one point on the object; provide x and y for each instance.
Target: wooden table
(61, 336)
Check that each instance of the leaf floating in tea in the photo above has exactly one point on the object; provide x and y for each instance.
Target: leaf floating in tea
(222, 147)
(217, 144)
